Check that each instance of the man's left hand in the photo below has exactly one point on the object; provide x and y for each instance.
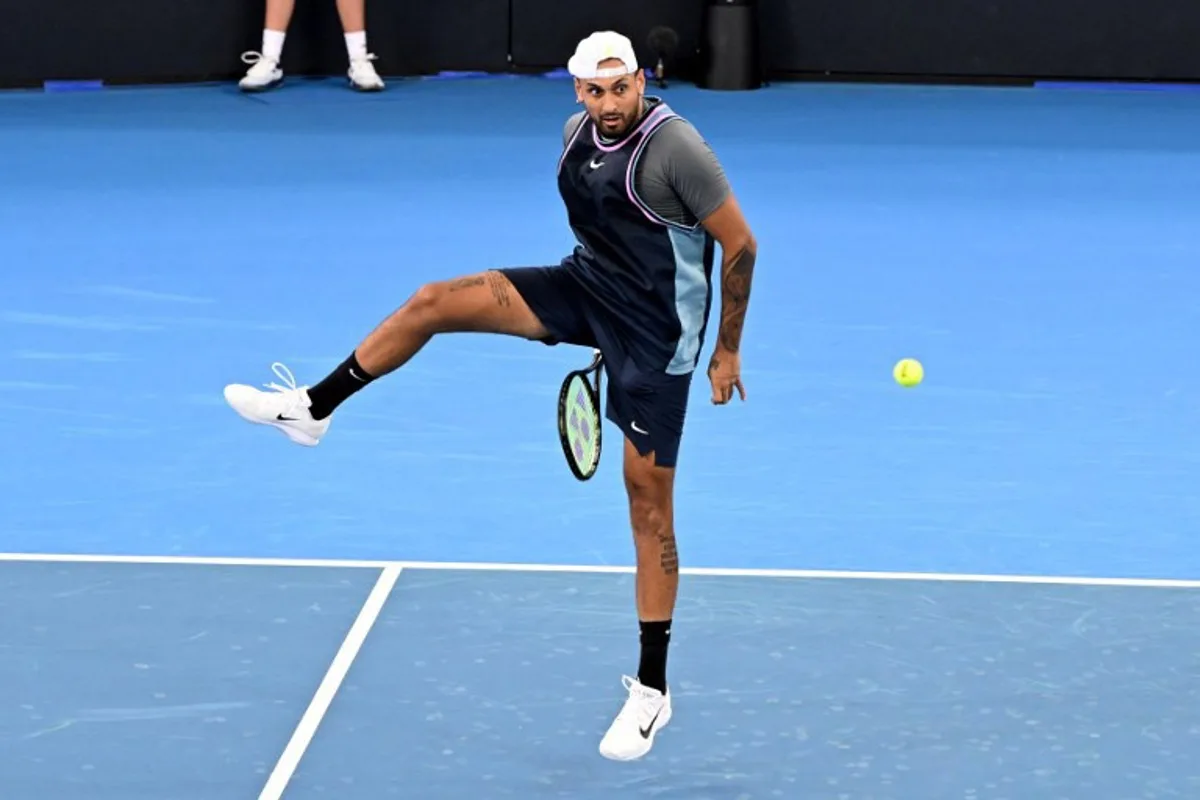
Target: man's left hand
(725, 372)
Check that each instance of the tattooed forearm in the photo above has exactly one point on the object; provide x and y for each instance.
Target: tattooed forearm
(736, 276)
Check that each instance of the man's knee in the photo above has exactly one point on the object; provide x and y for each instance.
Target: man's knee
(426, 306)
(486, 302)
(649, 488)
(650, 517)
(444, 306)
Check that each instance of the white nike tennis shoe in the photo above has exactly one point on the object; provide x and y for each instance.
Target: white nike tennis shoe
(285, 407)
(264, 72)
(646, 712)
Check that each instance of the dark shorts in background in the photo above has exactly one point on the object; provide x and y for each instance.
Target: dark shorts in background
(648, 406)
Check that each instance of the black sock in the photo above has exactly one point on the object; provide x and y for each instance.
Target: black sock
(338, 385)
(652, 671)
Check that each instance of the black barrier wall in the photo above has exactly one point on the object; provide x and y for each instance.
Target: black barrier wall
(541, 40)
(144, 41)
(123, 41)
(1073, 39)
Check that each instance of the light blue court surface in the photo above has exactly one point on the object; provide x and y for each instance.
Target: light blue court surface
(187, 681)
(1037, 250)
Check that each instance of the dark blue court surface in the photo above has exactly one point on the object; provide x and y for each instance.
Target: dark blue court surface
(1037, 250)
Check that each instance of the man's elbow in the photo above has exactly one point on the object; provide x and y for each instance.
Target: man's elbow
(741, 242)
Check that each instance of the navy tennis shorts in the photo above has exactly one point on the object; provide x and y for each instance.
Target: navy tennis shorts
(648, 406)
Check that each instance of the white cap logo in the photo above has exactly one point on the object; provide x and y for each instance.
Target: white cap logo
(602, 46)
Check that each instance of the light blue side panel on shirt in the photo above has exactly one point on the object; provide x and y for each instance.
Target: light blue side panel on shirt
(691, 296)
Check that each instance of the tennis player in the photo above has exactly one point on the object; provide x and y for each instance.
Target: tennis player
(648, 201)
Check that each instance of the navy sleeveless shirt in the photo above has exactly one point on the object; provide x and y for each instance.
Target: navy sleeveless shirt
(651, 277)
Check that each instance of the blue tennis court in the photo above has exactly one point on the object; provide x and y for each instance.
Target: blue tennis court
(984, 587)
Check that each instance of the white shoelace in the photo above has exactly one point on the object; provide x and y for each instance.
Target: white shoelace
(290, 391)
(261, 65)
(253, 57)
(284, 374)
(642, 703)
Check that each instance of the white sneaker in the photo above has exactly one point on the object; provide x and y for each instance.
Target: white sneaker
(645, 713)
(363, 76)
(285, 408)
(264, 74)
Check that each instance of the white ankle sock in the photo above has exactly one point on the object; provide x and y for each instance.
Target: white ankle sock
(356, 45)
(273, 44)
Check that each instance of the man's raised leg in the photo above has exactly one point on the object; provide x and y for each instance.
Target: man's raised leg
(482, 303)
(651, 511)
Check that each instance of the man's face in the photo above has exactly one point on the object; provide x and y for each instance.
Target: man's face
(614, 104)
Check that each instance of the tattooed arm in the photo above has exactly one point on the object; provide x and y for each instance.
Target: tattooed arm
(739, 252)
(681, 178)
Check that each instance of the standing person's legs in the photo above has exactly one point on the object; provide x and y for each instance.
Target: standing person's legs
(264, 72)
(362, 74)
(650, 409)
(532, 303)
(278, 17)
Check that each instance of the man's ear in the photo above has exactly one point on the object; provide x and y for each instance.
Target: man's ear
(578, 91)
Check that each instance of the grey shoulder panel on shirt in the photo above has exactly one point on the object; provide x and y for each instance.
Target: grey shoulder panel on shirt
(680, 177)
(573, 122)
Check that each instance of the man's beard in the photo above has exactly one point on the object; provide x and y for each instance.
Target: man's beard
(623, 123)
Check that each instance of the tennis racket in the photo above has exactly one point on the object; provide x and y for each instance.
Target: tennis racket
(579, 418)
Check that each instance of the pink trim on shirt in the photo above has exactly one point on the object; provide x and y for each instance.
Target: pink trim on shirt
(633, 160)
(654, 115)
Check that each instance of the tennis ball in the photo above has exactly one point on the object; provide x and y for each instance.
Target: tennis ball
(908, 372)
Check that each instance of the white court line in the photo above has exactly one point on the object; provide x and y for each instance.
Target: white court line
(212, 561)
(721, 572)
(290, 759)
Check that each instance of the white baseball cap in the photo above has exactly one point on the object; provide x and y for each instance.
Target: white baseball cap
(602, 46)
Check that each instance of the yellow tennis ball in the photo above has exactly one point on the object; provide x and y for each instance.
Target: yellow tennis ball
(908, 372)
